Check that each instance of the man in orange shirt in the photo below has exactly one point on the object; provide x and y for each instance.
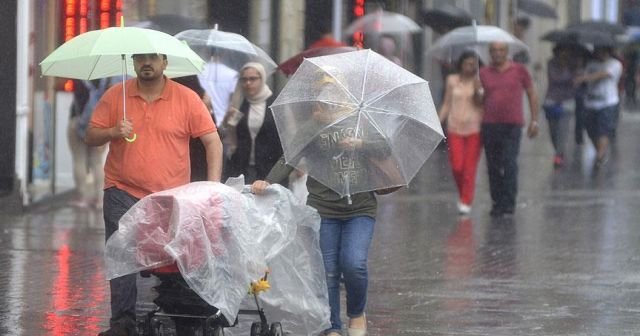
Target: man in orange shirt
(161, 117)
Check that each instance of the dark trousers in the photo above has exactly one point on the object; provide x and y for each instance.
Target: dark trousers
(502, 146)
(579, 114)
(123, 289)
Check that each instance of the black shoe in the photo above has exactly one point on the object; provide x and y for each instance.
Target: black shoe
(123, 327)
(496, 212)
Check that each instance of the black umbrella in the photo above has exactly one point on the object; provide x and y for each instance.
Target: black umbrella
(446, 17)
(600, 26)
(576, 36)
(537, 8)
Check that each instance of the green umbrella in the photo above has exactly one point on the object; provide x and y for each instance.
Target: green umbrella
(104, 53)
(101, 53)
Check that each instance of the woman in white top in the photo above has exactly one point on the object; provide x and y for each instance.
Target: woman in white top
(258, 145)
(462, 111)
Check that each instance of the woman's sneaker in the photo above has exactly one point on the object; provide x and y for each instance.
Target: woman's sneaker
(463, 209)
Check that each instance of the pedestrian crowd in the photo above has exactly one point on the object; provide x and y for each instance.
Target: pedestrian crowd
(218, 125)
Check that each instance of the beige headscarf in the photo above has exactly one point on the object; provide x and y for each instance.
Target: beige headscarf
(238, 96)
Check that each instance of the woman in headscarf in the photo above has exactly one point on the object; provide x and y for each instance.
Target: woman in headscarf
(258, 145)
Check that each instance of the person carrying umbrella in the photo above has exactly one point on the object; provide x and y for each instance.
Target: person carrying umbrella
(163, 115)
(504, 81)
(602, 100)
(347, 223)
(559, 98)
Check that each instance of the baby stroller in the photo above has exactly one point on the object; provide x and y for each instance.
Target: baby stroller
(209, 245)
(179, 307)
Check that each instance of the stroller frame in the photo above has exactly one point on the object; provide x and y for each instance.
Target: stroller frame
(153, 323)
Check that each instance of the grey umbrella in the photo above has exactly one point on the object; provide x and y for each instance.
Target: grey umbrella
(537, 8)
(170, 23)
(446, 17)
(601, 26)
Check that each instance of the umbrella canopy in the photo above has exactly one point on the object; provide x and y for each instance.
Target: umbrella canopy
(169, 23)
(383, 22)
(601, 26)
(232, 49)
(356, 122)
(446, 17)
(290, 66)
(101, 53)
(537, 8)
(477, 37)
(583, 37)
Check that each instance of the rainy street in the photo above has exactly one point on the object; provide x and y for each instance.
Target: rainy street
(566, 263)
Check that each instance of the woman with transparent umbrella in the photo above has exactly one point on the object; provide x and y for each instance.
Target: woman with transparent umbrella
(347, 223)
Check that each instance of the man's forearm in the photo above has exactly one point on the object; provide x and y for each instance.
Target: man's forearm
(98, 136)
(534, 106)
(213, 148)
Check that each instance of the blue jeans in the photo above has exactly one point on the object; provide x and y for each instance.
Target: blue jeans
(501, 147)
(123, 289)
(345, 250)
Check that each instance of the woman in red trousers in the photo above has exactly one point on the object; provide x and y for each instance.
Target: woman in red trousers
(462, 110)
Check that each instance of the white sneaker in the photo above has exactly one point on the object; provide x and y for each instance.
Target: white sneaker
(463, 208)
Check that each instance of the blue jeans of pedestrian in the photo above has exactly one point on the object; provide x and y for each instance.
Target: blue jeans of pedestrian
(502, 146)
(123, 289)
(345, 249)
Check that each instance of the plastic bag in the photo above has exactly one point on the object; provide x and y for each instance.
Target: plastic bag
(221, 239)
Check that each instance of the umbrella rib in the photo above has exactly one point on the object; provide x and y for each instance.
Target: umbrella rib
(364, 80)
(385, 93)
(329, 102)
(342, 86)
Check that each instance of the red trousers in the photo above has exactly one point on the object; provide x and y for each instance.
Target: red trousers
(464, 154)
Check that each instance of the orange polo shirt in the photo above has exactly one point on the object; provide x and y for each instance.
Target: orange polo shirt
(159, 157)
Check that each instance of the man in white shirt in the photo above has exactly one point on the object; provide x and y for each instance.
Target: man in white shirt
(602, 99)
(219, 82)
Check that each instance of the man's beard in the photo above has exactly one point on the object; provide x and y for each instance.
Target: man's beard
(151, 75)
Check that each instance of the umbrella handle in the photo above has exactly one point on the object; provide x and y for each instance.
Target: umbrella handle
(124, 97)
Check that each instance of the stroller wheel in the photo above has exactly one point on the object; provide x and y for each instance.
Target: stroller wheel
(256, 329)
(276, 329)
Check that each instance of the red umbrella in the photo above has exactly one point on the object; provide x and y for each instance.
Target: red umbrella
(290, 66)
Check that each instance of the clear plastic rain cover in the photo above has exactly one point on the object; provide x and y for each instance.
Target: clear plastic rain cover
(222, 239)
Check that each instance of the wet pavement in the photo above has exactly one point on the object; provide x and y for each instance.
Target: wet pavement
(567, 262)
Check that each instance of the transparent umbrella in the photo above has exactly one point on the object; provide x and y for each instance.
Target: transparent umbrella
(356, 122)
(383, 22)
(232, 49)
(289, 66)
(475, 37)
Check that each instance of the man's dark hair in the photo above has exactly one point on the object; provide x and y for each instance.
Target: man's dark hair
(523, 21)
